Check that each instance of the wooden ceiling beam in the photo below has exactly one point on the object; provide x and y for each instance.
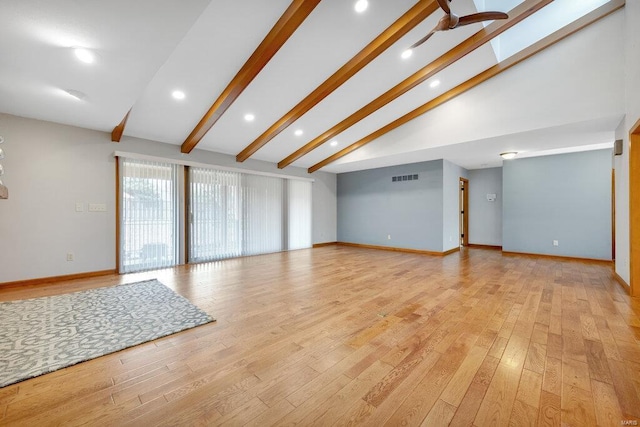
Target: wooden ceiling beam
(388, 37)
(116, 133)
(518, 14)
(288, 23)
(521, 56)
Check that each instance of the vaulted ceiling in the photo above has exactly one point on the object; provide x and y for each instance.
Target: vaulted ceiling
(327, 87)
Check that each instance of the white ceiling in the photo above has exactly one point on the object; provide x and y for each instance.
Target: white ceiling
(148, 48)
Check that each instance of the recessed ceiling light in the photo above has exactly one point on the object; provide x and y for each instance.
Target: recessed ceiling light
(298, 132)
(334, 143)
(361, 6)
(407, 53)
(80, 96)
(84, 55)
(178, 94)
(434, 83)
(249, 117)
(508, 155)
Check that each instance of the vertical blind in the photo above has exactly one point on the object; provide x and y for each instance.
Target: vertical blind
(262, 214)
(234, 214)
(149, 237)
(229, 214)
(299, 195)
(214, 199)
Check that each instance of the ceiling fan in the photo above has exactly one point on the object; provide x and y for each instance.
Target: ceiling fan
(451, 21)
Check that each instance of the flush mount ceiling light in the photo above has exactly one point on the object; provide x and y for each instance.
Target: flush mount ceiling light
(249, 117)
(298, 132)
(334, 143)
(1, 154)
(434, 83)
(361, 6)
(84, 55)
(508, 155)
(407, 54)
(178, 94)
(80, 96)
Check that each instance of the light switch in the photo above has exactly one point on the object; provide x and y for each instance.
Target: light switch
(79, 206)
(97, 207)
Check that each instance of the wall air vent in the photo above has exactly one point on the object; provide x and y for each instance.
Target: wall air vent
(413, 177)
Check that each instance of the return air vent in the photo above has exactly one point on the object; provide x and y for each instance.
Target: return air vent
(413, 177)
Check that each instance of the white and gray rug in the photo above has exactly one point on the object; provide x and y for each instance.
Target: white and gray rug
(42, 335)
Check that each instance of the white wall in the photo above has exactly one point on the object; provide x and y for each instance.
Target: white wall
(632, 108)
(49, 167)
(485, 217)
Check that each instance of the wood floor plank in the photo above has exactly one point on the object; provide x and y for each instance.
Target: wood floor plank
(350, 336)
(440, 414)
(607, 409)
(550, 413)
(530, 388)
(467, 411)
(575, 373)
(577, 407)
(457, 387)
(498, 401)
(624, 387)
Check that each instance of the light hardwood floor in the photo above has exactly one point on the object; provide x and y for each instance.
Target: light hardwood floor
(340, 335)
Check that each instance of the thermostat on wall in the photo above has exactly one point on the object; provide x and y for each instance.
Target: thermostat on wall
(491, 197)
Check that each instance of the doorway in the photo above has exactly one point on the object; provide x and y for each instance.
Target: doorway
(613, 214)
(464, 212)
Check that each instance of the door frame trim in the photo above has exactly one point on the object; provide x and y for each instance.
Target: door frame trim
(634, 209)
(463, 218)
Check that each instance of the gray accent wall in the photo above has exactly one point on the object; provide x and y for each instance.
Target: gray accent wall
(485, 217)
(371, 207)
(564, 197)
(451, 204)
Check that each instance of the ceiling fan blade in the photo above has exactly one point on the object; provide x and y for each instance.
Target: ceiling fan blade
(482, 16)
(444, 5)
(422, 40)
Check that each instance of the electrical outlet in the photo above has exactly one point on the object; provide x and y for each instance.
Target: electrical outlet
(555, 243)
(70, 256)
(388, 236)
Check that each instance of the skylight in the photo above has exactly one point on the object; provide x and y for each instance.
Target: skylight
(549, 19)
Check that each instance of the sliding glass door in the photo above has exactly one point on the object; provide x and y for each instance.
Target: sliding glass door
(233, 214)
(215, 214)
(218, 214)
(149, 237)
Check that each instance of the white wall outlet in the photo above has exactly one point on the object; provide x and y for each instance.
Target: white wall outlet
(97, 207)
(555, 243)
(79, 206)
(70, 256)
(388, 236)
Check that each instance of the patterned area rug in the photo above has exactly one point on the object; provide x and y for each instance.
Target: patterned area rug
(42, 335)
